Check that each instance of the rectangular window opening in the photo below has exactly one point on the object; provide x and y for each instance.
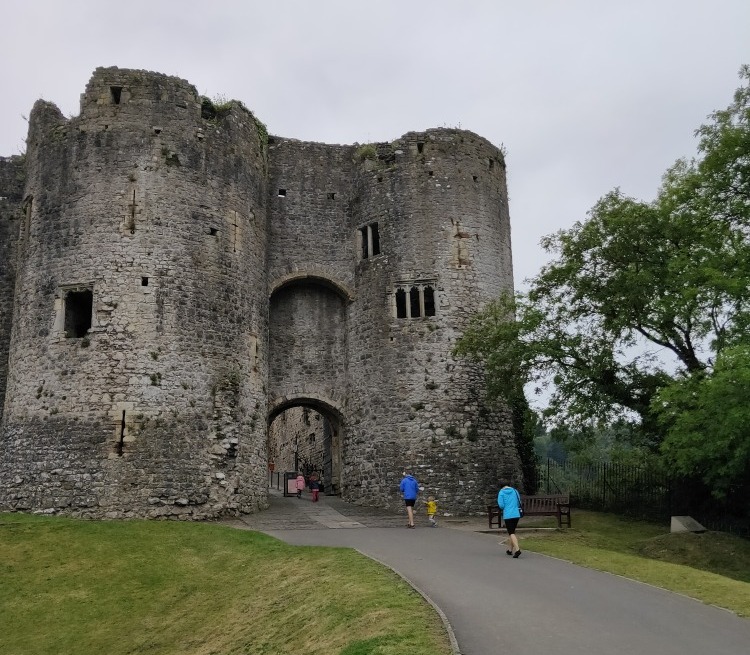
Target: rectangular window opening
(420, 147)
(400, 303)
(213, 231)
(78, 310)
(144, 281)
(369, 240)
(475, 178)
(492, 164)
(414, 302)
(282, 193)
(375, 239)
(131, 221)
(331, 196)
(431, 173)
(120, 446)
(429, 301)
(116, 92)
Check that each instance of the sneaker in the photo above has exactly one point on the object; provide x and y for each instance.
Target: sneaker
(508, 552)
(517, 554)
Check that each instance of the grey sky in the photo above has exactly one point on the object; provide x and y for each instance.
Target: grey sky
(585, 95)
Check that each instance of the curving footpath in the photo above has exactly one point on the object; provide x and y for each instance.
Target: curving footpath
(534, 605)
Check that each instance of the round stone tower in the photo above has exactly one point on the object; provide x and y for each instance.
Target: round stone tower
(137, 367)
(434, 230)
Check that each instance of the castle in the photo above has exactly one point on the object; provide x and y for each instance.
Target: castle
(172, 279)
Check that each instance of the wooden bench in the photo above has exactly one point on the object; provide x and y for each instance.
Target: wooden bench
(542, 505)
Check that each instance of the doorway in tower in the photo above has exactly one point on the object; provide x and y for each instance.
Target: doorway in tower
(307, 440)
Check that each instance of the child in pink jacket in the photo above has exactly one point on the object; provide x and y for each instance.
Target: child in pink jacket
(300, 482)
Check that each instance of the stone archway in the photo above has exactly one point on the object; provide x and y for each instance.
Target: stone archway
(307, 380)
(306, 436)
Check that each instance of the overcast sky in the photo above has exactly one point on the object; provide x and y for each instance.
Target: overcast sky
(585, 95)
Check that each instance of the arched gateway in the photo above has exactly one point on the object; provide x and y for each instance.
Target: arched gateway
(180, 279)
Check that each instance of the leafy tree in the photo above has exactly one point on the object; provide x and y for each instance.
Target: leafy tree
(707, 419)
(638, 298)
(525, 427)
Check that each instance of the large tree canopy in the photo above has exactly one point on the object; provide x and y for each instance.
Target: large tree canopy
(707, 420)
(639, 297)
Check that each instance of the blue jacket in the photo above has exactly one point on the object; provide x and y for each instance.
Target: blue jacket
(409, 487)
(507, 500)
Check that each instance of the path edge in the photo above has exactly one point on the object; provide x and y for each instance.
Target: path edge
(440, 613)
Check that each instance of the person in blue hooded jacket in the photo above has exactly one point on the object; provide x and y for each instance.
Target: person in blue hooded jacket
(410, 489)
(509, 501)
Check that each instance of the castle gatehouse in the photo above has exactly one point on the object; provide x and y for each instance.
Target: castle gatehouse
(173, 280)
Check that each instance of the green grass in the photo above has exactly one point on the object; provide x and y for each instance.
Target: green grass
(712, 567)
(91, 587)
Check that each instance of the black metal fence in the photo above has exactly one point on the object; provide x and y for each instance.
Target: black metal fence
(643, 492)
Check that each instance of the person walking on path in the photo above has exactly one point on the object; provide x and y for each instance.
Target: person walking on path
(300, 484)
(509, 501)
(431, 511)
(315, 488)
(410, 489)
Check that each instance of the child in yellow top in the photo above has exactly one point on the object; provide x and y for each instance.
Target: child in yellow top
(431, 511)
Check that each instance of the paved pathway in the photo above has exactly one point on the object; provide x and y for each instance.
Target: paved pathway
(534, 605)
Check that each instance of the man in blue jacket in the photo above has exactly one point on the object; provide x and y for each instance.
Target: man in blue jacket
(410, 489)
(509, 501)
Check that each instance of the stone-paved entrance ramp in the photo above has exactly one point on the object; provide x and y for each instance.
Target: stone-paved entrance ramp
(291, 513)
(534, 605)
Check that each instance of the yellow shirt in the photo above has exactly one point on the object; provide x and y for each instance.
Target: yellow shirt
(431, 507)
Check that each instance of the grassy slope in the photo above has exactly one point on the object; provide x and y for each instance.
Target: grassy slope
(164, 587)
(711, 567)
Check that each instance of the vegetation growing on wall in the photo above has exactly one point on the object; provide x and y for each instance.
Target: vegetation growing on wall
(366, 151)
(213, 110)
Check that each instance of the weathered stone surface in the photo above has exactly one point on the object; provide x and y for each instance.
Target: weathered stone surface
(685, 524)
(228, 281)
(12, 179)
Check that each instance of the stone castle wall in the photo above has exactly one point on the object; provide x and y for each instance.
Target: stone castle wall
(231, 277)
(160, 214)
(12, 179)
